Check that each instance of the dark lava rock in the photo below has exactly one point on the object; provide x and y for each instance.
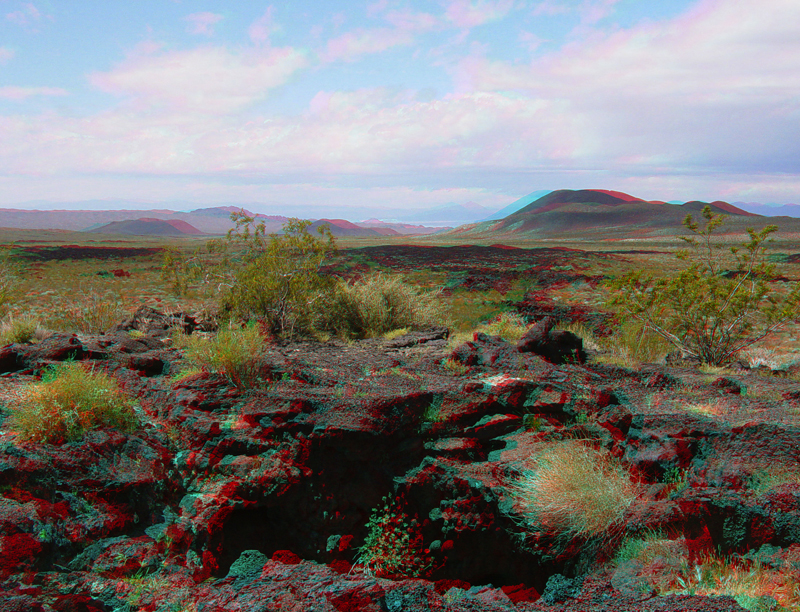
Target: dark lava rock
(10, 359)
(556, 347)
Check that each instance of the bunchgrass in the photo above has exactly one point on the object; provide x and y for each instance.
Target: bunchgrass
(751, 584)
(381, 304)
(235, 353)
(508, 325)
(631, 346)
(93, 313)
(769, 476)
(20, 330)
(70, 400)
(574, 490)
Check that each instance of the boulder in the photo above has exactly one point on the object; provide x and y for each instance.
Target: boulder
(554, 346)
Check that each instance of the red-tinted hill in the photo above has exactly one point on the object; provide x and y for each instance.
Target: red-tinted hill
(599, 213)
(148, 227)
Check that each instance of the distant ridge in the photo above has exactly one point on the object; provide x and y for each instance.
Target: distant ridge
(147, 227)
(340, 227)
(598, 214)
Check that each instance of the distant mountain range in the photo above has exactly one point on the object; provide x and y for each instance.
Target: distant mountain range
(214, 220)
(602, 214)
(767, 210)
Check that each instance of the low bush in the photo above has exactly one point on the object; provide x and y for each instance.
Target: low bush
(380, 304)
(70, 400)
(575, 490)
(235, 353)
(8, 281)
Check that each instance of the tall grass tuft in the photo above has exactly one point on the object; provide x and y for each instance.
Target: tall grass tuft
(236, 353)
(70, 400)
(575, 490)
(380, 304)
(508, 325)
(93, 313)
(20, 330)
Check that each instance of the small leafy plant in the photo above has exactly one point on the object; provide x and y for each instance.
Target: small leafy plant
(720, 304)
(394, 547)
(70, 400)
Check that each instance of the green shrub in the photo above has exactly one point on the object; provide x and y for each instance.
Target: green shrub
(575, 490)
(720, 304)
(236, 353)
(70, 400)
(380, 304)
(274, 278)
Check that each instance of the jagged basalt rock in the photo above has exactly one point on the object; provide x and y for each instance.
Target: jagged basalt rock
(555, 346)
(261, 498)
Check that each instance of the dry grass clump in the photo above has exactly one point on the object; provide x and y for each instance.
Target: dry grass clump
(70, 400)
(753, 586)
(666, 566)
(236, 353)
(20, 330)
(632, 345)
(379, 304)
(768, 476)
(508, 325)
(456, 368)
(94, 313)
(590, 339)
(8, 281)
(575, 490)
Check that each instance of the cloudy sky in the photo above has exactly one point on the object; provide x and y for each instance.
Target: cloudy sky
(337, 108)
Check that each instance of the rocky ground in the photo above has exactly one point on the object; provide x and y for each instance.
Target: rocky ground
(259, 500)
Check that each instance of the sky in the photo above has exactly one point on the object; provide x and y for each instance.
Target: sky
(315, 108)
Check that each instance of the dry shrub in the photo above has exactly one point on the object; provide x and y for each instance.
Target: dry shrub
(575, 490)
(236, 353)
(380, 304)
(70, 400)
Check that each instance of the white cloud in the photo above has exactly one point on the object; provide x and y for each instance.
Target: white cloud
(202, 23)
(209, 80)
(471, 13)
(23, 93)
(262, 28)
(352, 45)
